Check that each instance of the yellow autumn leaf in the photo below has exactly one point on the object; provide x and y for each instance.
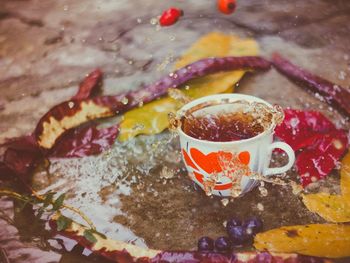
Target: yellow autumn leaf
(152, 118)
(345, 177)
(320, 240)
(333, 208)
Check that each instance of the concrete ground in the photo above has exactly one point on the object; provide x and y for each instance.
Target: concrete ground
(46, 48)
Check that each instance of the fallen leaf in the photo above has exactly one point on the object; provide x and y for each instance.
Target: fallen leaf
(345, 177)
(153, 117)
(20, 157)
(85, 141)
(320, 240)
(298, 126)
(89, 85)
(319, 145)
(333, 208)
(321, 156)
(326, 91)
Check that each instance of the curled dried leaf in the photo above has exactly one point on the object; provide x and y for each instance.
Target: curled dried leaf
(89, 85)
(333, 94)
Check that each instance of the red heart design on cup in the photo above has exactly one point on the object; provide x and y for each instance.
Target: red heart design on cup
(208, 162)
(244, 157)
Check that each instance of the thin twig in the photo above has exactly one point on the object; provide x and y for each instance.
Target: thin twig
(42, 198)
(75, 210)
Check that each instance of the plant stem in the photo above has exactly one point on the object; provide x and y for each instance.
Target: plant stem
(42, 198)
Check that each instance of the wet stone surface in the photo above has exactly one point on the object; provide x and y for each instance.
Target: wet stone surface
(47, 47)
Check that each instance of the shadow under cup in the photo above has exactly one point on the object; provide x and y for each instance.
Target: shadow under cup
(226, 168)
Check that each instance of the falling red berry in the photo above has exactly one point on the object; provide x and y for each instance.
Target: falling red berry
(170, 16)
(227, 6)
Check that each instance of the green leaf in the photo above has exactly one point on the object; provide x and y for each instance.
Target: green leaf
(58, 203)
(63, 222)
(88, 234)
(48, 198)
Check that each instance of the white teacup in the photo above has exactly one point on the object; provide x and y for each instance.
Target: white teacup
(245, 158)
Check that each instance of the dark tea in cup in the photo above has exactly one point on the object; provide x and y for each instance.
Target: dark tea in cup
(222, 127)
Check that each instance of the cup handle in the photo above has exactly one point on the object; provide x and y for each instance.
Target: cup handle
(291, 158)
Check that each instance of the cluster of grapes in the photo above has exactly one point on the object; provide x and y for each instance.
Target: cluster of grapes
(239, 233)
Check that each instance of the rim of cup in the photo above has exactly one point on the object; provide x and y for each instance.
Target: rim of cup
(219, 97)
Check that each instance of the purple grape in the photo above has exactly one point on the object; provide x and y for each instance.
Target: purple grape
(253, 225)
(232, 223)
(222, 244)
(205, 244)
(239, 235)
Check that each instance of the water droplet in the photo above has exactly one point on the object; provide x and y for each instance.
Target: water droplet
(125, 100)
(71, 104)
(153, 21)
(139, 20)
(166, 173)
(260, 206)
(131, 62)
(224, 201)
(140, 104)
(172, 38)
(263, 191)
(138, 126)
(341, 75)
(187, 87)
(338, 144)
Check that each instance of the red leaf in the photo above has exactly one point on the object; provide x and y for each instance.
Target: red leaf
(5, 172)
(319, 143)
(321, 156)
(21, 156)
(89, 85)
(299, 125)
(85, 141)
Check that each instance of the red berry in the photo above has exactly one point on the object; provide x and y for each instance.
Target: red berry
(227, 6)
(170, 16)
